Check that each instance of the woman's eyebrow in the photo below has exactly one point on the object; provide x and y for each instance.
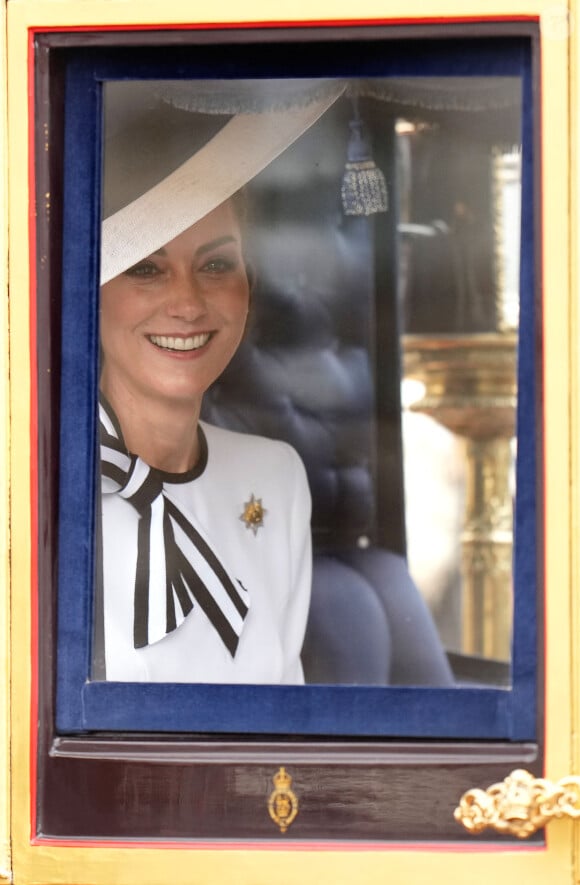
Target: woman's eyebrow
(206, 247)
(213, 244)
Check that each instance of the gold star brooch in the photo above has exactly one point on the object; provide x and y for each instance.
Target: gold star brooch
(253, 514)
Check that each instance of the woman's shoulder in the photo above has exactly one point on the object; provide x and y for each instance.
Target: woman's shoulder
(240, 448)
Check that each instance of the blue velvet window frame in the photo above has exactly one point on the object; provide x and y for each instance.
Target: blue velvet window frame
(83, 705)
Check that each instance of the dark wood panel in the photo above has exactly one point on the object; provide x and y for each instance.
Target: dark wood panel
(216, 34)
(362, 791)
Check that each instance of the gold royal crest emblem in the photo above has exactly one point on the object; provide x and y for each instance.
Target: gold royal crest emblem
(283, 802)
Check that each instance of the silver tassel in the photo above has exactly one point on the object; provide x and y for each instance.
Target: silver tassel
(364, 189)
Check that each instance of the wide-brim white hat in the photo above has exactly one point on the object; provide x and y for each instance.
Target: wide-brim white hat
(153, 191)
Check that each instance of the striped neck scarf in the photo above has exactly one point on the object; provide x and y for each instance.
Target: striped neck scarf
(177, 567)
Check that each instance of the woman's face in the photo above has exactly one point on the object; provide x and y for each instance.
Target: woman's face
(171, 323)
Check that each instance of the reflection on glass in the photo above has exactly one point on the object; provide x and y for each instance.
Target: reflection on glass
(393, 204)
(462, 193)
(507, 197)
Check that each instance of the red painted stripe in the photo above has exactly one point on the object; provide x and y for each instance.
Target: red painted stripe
(302, 23)
(349, 847)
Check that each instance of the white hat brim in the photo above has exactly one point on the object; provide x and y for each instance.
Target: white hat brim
(239, 151)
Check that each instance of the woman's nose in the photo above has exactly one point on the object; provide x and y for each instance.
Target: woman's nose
(186, 298)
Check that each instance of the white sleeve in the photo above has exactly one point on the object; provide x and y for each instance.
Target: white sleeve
(300, 579)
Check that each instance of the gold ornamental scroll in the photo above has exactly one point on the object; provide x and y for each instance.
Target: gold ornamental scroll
(519, 805)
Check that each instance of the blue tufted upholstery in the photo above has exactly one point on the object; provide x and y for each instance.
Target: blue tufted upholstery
(304, 375)
(307, 373)
(369, 625)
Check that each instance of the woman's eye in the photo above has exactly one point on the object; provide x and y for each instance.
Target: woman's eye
(219, 264)
(143, 269)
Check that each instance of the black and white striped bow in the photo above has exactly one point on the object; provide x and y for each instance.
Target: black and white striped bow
(176, 565)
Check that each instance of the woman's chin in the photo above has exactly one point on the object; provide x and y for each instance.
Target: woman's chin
(178, 395)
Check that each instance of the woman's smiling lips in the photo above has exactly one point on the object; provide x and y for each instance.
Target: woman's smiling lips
(180, 344)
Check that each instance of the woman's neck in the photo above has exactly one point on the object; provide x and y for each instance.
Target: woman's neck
(163, 433)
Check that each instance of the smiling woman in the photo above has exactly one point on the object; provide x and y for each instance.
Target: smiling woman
(201, 581)
(169, 326)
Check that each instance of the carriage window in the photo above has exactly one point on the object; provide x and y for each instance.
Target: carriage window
(288, 324)
(315, 313)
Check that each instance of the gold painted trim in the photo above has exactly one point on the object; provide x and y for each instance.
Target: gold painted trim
(574, 611)
(64, 13)
(5, 854)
